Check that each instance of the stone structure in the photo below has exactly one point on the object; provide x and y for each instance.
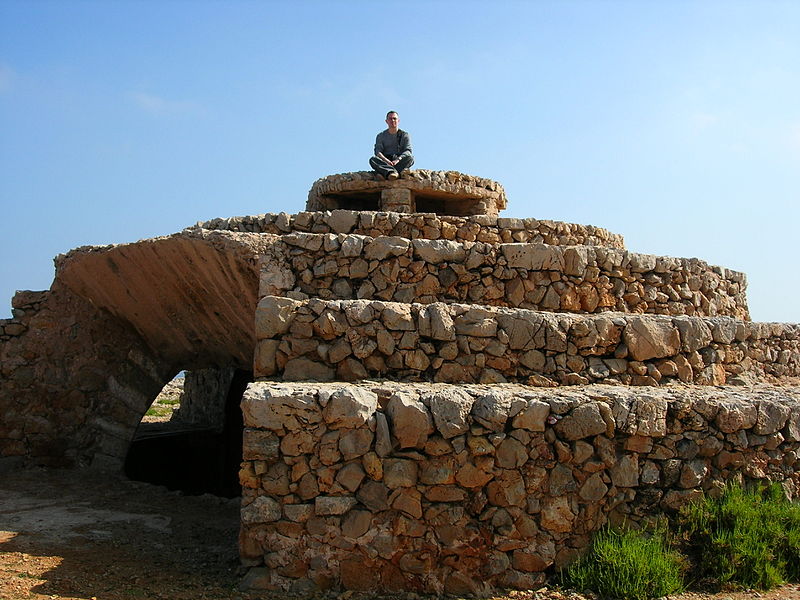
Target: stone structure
(489, 390)
(419, 191)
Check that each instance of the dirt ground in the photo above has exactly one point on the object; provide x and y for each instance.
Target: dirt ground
(77, 535)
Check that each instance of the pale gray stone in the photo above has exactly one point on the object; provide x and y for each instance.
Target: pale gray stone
(382, 248)
(303, 369)
(534, 257)
(350, 407)
(333, 505)
(771, 417)
(735, 415)
(651, 337)
(279, 407)
(695, 334)
(441, 323)
(261, 510)
(450, 409)
(342, 221)
(438, 251)
(584, 421)
(274, 316)
(476, 322)
(491, 410)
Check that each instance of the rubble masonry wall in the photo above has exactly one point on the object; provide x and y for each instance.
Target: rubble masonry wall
(573, 279)
(480, 228)
(450, 489)
(359, 339)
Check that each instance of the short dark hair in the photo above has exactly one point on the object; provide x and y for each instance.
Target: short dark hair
(390, 112)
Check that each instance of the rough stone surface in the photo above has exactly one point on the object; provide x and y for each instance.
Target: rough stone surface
(569, 463)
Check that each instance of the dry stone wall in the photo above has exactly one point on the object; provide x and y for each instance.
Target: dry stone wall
(573, 279)
(359, 339)
(75, 382)
(437, 489)
(477, 228)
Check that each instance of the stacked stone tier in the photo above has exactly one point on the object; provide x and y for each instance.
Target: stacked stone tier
(576, 279)
(358, 339)
(465, 489)
(477, 228)
(420, 190)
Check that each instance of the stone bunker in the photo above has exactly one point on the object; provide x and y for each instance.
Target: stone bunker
(409, 391)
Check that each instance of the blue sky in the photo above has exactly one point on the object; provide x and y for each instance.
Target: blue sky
(675, 123)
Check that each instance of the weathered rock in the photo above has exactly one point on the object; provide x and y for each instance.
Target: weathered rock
(410, 419)
(349, 407)
(648, 338)
(450, 409)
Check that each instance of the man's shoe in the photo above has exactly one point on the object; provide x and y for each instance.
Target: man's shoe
(392, 175)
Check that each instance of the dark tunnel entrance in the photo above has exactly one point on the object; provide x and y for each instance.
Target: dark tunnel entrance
(199, 450)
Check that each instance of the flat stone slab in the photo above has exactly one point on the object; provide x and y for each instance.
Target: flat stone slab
(416, 191)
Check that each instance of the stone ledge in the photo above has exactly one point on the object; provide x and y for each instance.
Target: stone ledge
(579, 279)
(440, 192)
(454, 343)
(480, 228)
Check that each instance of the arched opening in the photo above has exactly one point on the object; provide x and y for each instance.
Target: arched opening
(198, 448)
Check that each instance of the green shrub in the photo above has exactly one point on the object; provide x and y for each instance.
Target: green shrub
(747, 537)
(628, 565)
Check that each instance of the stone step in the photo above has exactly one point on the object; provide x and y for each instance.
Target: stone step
(479, 228)
(359, 339)
(587, 279)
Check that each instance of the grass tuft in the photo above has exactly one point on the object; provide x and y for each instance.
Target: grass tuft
(746, 538)
(628, 565)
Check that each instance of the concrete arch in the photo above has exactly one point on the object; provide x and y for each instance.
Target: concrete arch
(117, 324)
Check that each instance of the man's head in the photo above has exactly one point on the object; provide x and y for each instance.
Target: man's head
(393, 121)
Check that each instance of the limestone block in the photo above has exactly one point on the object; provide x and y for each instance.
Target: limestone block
(491, 410)
(410, 420)
(274, 316)
(381, 248)
(695, 334)
(450, 409)
(398, 317)
(342, 221)
(648, 337)
(533, 257)
(583, 421)
(439, 322)
(333, 505)
(276, 408)
(438, 251)
(771, 417)
(349, 407)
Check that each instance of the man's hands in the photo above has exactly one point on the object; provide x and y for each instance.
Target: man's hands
(391, 163)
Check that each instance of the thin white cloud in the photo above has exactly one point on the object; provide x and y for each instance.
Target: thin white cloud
(156, 105)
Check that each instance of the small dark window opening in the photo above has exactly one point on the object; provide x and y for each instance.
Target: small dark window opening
(363, 201)
(454, 207)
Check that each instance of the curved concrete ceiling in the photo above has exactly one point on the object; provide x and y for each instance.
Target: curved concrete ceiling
(191, 295)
